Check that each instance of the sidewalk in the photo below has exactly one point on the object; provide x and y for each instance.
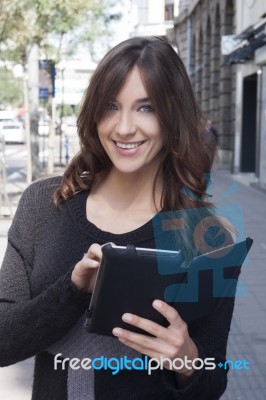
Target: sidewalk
(247, 340)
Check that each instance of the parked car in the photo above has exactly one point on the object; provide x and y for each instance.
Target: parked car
(44, 128)
(12, 131)
(69, 126)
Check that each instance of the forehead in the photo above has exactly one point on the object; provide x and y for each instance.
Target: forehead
(133, 87)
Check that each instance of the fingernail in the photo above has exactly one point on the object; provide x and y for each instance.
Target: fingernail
(117, 332)
(157, 304)
(127, 317)
(94, 262)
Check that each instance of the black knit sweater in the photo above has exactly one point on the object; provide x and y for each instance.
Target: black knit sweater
(42, 313)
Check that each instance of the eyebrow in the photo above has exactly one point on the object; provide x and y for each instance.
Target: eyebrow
(143, 100)
(138, 101)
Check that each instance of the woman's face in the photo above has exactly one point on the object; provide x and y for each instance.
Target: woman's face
(130, 131)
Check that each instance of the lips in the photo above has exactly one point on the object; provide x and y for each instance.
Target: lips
(128, 146)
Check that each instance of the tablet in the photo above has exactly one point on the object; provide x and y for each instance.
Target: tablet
(130, 278)
(128, 281)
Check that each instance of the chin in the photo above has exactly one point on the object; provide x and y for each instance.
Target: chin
(128, 171)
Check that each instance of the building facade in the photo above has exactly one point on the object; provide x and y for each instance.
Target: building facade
(222, 43)
(250, 103)
(151, 20)
(197, 34)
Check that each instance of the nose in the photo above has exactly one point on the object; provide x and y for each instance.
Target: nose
(125, 123)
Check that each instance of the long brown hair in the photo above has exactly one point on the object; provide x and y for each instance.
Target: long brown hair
(186, 158)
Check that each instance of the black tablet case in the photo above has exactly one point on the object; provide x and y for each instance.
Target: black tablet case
(129, 280)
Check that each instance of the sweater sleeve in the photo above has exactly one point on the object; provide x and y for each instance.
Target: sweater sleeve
(210, 334)
(29, 325)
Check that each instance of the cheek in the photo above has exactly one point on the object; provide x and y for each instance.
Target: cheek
(104, 126)
(103, 135)
(157, 134)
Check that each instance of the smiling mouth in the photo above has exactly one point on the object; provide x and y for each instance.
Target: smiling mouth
(128, 145)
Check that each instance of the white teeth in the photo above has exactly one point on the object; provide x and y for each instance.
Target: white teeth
(129, 145)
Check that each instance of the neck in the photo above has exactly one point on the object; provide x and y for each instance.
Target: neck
(131, 190)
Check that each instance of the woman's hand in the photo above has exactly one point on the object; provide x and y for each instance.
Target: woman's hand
(85, 272)
(171, 342)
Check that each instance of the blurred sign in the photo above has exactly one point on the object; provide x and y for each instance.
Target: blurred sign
(46, 79)
(43, 93)
(228, 44)
(72, 79)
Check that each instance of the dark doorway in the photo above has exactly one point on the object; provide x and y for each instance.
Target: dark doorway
(248, 147)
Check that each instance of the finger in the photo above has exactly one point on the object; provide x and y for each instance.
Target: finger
(157, 352)
(84, 274)
(108, 243)
(94, 252)
(89, 263)
(85, 265)
(168, 312)
(144, 342)
(157, 360)
(140, 349)
(162, 345)
(145, 324)
(137, 338)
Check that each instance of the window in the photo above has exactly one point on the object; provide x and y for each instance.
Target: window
(169, 11)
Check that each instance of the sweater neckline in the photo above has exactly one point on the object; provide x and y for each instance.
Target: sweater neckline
(77, 206)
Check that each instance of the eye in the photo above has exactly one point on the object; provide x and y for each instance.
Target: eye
(147, 108)
(111, 106)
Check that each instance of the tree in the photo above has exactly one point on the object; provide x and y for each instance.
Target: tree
(26, 24)
(42, 22)
(11, 88)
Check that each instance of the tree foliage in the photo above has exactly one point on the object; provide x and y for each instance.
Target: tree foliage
(11, 88)
(47, 22)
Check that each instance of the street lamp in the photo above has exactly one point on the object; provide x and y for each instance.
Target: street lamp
(61, 67)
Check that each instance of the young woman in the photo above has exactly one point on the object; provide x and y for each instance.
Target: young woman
(141, 146)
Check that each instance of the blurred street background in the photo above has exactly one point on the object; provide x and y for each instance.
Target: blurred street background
(48, 52)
